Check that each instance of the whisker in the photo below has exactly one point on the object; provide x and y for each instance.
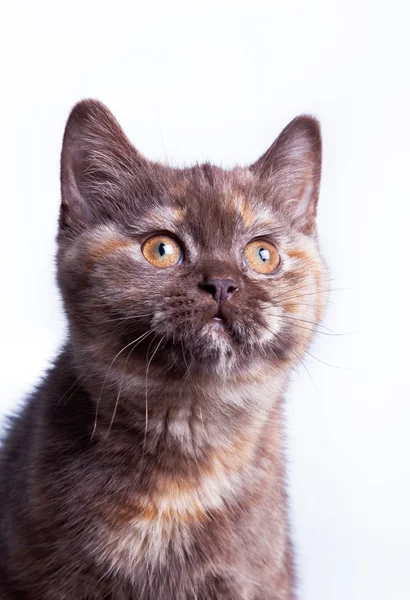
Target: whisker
(183, 354)
(114, 319)
(313, 293)
(312, 355)
(140, 338)
(191, 364)
(299, 359)
(315, 323)
(129, 317)
(146, 389)
(328, 364)
(120, 389)
(301, 287)
(308, 328)
(69, 389)
(311, 304)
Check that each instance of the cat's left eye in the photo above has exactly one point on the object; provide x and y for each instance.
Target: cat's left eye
(162, 251)
(262, 257)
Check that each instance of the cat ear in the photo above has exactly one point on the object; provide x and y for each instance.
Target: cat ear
(96, 160)
(292, 167)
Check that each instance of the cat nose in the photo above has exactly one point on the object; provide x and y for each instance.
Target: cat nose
(220, 289)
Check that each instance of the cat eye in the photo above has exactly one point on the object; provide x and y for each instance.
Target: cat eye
(262, 257)
(162, 251)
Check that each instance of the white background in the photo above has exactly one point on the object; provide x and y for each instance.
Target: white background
(219, 82)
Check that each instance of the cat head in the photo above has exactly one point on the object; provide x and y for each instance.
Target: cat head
(193, 270)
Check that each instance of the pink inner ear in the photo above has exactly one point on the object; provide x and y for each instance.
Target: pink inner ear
(305, 196)
(304, 209)
(96, 157)
(73, 206)
(291, 167)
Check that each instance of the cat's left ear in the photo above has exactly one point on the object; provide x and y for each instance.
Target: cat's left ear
(292, 168)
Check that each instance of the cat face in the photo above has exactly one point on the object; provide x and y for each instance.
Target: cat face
(196, 270)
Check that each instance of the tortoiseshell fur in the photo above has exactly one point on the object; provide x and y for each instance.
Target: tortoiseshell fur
(149, 462)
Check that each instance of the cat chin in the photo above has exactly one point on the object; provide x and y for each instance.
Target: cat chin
(217, 327)
(220, 348)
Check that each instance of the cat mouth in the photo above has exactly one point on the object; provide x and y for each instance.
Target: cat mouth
(218, 323)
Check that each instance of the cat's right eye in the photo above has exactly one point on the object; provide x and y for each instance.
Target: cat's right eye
(162, 251)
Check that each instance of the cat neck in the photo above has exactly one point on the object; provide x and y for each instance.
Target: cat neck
(186, 414)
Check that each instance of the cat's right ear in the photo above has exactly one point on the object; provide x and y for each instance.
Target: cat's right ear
(96, 159)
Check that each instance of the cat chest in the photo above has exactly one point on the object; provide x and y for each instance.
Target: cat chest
(166, 523)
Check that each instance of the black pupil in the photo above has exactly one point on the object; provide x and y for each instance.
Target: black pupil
(161, 249)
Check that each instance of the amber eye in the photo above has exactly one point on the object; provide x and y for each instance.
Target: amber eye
(162, 251)
(262, 257)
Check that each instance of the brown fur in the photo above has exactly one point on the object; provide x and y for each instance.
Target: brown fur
(149, 462)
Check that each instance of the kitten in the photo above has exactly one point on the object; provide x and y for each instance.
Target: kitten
(149, 462)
